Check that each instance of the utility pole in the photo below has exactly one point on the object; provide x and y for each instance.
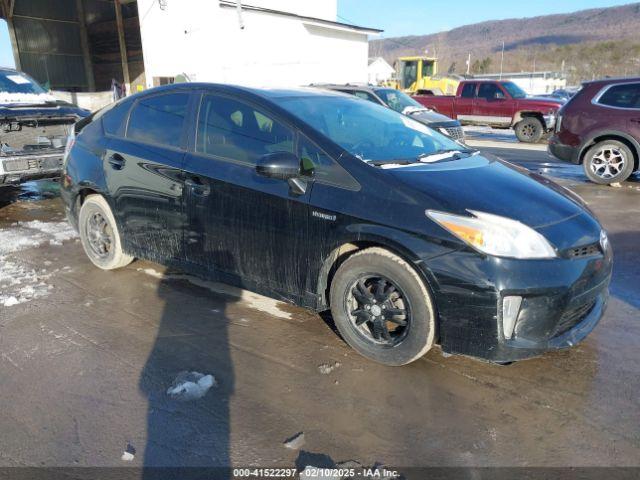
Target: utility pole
(502, 60)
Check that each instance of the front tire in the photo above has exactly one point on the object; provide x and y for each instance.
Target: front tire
(382, 308)
(609, 161)
(529, 130)
(100, 236)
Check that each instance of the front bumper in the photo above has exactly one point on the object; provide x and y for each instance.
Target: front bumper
(19, 168)
(550, 121)
(563, 300)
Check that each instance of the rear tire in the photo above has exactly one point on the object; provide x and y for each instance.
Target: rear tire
(529, 130)
(382, 308)
(609, 161)
(100, 236)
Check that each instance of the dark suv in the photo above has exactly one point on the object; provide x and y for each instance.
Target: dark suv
(403, 103)
(600, 129)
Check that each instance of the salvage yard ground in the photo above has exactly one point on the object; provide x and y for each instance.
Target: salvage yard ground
(93, 365)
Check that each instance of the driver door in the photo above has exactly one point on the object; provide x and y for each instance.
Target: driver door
(251, 229)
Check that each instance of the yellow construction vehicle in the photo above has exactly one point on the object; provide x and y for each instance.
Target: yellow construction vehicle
(420, 75)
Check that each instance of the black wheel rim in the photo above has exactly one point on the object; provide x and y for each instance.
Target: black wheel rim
(379, 310)
(99, 235)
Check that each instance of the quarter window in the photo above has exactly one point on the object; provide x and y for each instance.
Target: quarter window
(314, 162)
(231, 129)
(159, 119)
(622, 96)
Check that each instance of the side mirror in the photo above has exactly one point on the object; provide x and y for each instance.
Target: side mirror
(281, 165)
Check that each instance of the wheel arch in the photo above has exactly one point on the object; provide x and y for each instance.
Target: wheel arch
(625, 138)
(520, 115)
(343, 251)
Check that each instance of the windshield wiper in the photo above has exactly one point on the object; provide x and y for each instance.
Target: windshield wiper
(454, 153)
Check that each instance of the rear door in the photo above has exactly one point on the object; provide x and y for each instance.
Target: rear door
(464, 103)
(143, 172)
(492, 105)
(623, 102)
(249, 228)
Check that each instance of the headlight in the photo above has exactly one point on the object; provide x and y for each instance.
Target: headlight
(495, 235)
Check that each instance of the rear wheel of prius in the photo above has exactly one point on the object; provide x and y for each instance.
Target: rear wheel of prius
(608, 161)
(529, 130)
(99, 234)
(382, 308)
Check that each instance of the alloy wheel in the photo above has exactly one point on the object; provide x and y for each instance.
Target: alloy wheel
(379, 311)
(100, 235)
(608, 162)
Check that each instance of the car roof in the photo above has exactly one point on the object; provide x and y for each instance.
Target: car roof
(606, 81)
(268, 93)
(343, 86)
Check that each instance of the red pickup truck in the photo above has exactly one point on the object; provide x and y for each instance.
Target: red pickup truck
(500, 104)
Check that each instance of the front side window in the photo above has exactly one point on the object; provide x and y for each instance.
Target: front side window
(366, 130)
(489, 91)
(235, 130)
(514, 90)
(159, 119)
(622, 96)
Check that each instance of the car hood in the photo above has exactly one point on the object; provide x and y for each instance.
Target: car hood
(493, 186)
(426, 116)
(540, 102)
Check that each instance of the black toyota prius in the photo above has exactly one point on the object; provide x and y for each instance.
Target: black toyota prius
(332, 202)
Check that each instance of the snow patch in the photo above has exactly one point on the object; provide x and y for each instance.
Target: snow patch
(296, 442)
(34, 234)
(327, 368)
(190, 386)
(19, 282)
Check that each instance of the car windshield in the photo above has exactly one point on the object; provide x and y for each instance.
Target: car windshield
(514, 90)
(371, 132)
(396, 99)
(15, 82)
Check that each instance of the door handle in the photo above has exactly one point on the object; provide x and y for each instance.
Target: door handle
(197, 186)
(116, 161)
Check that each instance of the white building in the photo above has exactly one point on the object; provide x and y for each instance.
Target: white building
(258, 42)
(533, 82)
(379, 71)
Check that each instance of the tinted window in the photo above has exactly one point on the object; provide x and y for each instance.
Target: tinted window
(397, 100)
(489, 91)
(16, 82)
(231, 129)
(159, 119)
(316, 163)
(365, 96)
(622, 96)
(115, 117)
(468, 90)
(367, 130)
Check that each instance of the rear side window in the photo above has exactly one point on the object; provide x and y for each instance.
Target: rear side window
(365, 96)
(622, 96)
(159, 119)
(468, 90)
(234, 130)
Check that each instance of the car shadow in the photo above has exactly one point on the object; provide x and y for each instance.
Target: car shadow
(187, 436)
